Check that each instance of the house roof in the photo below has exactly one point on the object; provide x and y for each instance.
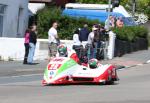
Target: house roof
(40, 1)
(57, 2)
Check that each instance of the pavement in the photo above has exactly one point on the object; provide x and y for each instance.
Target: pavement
(15, 68)
(132, 59)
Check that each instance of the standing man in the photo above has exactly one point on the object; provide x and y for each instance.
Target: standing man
(91, 43)
(53, 40)
(100, 46)
(84, 33)
(32, 44)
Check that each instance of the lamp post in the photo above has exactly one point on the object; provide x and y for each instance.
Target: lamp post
(109, 9)
(133, 7)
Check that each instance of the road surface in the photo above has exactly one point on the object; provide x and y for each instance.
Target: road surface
(133, 87)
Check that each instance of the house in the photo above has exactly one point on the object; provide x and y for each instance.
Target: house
(40, 1)
(57, 2)
(63, 2)
(13, 18)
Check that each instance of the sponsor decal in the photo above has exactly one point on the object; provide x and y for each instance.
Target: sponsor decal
(58, 68)
(46, 73)
(84, 73)
(58, 60)
(54, 66)
(66, 66)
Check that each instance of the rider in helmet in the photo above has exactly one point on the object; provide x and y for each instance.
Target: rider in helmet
(62, 50)
(93, 63)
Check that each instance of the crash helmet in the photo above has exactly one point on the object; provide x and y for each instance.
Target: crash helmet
(93, 63)
(62, 50)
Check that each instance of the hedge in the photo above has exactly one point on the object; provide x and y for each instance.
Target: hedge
(131, 33)
(67, 24)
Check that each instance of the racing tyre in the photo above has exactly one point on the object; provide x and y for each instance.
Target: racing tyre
(110, 81)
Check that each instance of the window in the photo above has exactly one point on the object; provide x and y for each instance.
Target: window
(2, 13)
(19, 23)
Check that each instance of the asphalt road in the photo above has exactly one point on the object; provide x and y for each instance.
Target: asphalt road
(133, 87)
(15, 68)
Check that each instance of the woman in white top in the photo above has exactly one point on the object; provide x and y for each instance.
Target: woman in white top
(77, 42)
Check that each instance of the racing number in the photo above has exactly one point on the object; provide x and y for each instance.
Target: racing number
(53, 66)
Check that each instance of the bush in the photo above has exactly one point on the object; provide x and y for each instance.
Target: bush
(131, 33)
(67, 24)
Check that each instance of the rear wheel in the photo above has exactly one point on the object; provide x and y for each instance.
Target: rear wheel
(110, 80)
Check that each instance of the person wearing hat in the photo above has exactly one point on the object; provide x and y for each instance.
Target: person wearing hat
(91, 35)
(91, 42)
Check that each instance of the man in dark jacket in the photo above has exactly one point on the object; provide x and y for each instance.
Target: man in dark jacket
(84, 33)
(32, 44)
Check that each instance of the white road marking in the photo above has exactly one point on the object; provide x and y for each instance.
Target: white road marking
(139, 64)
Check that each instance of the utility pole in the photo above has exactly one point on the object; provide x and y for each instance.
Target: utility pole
(133, 7)
(109, 10)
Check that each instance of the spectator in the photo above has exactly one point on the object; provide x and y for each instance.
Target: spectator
(102, 38)
(26, 44)
(77, 42)
(111, 22)
(32, 44)
(96, 40)
(115, 20)
(119, 22)
(102, 33)
(84, 33)
(53, 40)
(91, 44)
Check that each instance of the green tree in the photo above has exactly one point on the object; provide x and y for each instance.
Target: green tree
(143, 6)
